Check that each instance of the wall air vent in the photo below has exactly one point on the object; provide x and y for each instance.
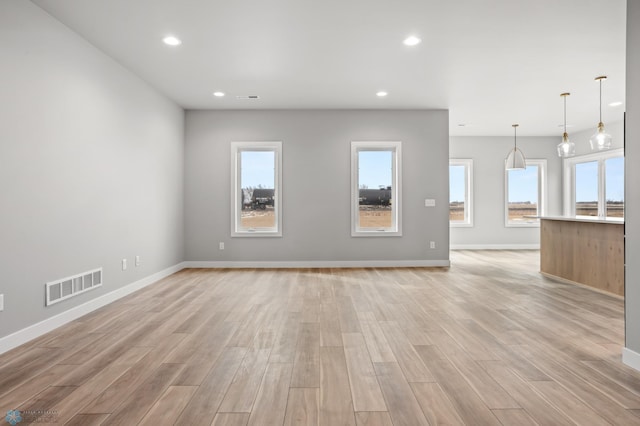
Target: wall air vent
(62, 289)
(248, 97)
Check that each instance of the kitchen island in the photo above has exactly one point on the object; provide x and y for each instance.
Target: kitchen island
(586, 251)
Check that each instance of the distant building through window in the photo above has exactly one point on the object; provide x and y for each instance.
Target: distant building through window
(375, 188)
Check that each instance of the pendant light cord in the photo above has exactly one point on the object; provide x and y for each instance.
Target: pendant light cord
(565, 114)
(600, 100)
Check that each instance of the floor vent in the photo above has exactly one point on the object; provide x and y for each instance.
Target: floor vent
(63, 289)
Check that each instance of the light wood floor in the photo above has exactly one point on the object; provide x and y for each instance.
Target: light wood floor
(486, 342)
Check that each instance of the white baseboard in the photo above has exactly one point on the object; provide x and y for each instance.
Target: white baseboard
(495, 247)
(36, 330)
(321, 264)
(631, 358)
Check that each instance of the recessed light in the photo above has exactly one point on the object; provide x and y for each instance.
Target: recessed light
(218, 94)
(172, 41)
(411, 41)
(615, 104)
(381, 94)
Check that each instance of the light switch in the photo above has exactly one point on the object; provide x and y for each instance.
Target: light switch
(429, 202)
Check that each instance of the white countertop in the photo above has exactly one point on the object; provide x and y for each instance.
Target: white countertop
(589, 219)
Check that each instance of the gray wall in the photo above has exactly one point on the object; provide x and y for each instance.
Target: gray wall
(488, 154)
(316, 184)
(632, 179)
(91, 165)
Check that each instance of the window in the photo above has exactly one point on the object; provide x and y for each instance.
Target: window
(256, 189)
(460, 196)
(594, 185)
(586, 189)
(614, 186)
(525, 194)
(375, 189)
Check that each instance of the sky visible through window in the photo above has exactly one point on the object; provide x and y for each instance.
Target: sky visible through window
(456, 184)
(522, 196)
(375, 169)
(615, 179)
(523, 185)
(257, 169)
(587, 182)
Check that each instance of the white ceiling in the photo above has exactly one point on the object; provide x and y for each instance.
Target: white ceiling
(491, 63)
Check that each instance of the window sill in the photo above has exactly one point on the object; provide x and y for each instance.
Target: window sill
(376, 234)
(259, 234)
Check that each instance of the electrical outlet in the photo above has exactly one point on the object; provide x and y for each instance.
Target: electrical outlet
(432, 244)
(221, 246)
(124, 264)
(138, 261)
(1, 302)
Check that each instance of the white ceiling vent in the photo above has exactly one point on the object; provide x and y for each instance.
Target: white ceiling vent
(248, 97)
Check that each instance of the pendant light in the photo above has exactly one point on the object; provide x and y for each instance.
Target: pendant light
(566, 148)
(515, 160)
(600, 140)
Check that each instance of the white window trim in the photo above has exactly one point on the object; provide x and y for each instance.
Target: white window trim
(236, 197)
(468, 201)
(542, 194)
(396, 188)
(569, 179)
